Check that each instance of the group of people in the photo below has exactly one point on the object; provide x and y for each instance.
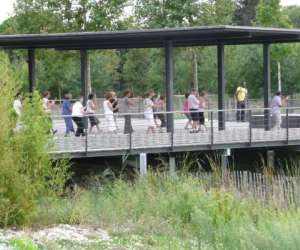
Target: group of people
(277, 102)
(194, 106)
(78, 111)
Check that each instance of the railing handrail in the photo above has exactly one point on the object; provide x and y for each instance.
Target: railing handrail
(178, 112)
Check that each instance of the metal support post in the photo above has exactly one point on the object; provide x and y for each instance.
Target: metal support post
(287, 123)
(250, 127)
(31, 70)
(212, 128)
(169, 84)
(84, 84)
(221, 86)
(267, 85)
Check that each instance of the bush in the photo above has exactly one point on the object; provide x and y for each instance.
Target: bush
(26, 170)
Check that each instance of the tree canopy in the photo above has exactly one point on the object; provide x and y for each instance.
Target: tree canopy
(142, 69)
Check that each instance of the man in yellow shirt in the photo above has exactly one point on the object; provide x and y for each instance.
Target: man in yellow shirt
(241, 98)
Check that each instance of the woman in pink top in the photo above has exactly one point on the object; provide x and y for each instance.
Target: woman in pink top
(186, 111)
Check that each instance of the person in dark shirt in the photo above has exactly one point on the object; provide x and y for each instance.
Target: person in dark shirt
(67, 113)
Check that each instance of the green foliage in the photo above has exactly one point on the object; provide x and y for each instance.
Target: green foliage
(143, 69)
(158, 209)
(23, 244)
(26, 170)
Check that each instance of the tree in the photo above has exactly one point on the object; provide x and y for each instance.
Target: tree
(269, 14)
(245, 12)
(57, 71)
(293, 14)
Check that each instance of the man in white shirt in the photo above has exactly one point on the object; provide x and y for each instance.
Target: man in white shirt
(194, 109)
(77, 115)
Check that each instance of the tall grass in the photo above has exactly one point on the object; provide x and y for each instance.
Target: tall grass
(179, 213)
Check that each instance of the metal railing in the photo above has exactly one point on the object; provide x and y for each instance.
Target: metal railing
(253, 127)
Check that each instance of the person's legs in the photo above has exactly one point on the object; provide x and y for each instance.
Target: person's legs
(162, 119)
(69, 125)
(238, 112)
(243, 106)
(127, 126)
(188, 116)
(201, 120)
(81, 124)
(76, 120)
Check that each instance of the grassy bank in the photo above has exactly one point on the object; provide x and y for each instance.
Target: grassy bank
(177, 213)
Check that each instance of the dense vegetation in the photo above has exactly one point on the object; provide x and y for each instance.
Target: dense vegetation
(26, 170)
(187, 212)
(141, 69)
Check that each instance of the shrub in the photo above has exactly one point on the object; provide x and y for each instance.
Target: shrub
(26, 170)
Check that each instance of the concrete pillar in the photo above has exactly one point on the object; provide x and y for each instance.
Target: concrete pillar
(172, 166)
(143, 164)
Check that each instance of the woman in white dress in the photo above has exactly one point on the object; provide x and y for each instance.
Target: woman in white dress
(148, 112)
(91, 110)
(109, 113)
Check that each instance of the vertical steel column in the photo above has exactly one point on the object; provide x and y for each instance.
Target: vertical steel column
(84, 74)
(169, 84)
(84, 88)
(221, 87)
(31, 70)
(267, 85)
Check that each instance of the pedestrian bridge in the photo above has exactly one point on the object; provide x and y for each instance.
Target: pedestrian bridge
(255, 132)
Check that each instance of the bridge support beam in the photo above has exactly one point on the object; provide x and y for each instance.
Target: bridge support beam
(221, 86)
(267, 85)
(172, 166)
(84, 74)
(31, 70)
(169, 71)
(143, 164)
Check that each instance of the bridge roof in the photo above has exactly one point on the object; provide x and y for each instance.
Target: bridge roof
(152, 38)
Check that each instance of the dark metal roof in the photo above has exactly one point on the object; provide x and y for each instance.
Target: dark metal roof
(152, 38)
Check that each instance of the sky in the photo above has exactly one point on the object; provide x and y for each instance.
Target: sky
(7, 7)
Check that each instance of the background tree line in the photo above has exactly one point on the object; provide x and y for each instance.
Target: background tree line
(141, 69)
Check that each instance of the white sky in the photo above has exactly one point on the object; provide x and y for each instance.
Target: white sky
(7, 7)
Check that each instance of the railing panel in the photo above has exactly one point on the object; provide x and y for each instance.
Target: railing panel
(250, 130)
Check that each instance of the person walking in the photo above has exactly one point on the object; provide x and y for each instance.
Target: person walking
(109, 112)
(78, 116)
(148, 112)
(186, 111)
(115, 105)
(127, 104)
(241, 98)
(202, 106)
(193, 104)
(276, 105)
(160, 108)
(91, 110)
(47, 106)
(67, 114)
